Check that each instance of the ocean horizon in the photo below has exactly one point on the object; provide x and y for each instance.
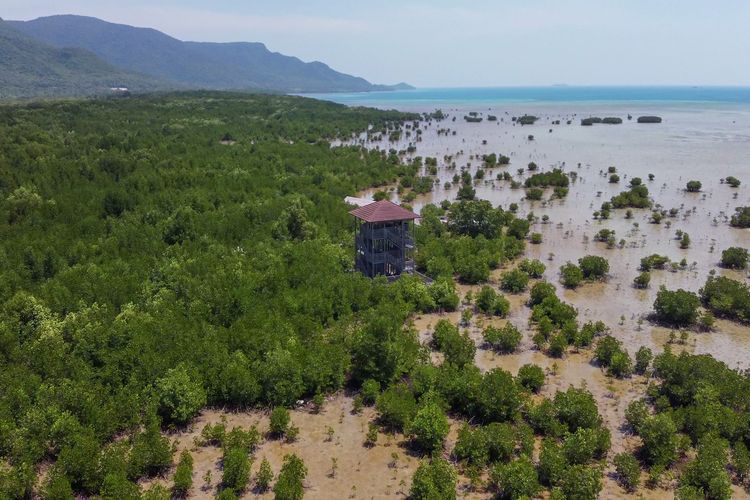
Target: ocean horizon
(553, 94)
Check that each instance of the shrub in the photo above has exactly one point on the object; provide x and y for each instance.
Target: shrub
(289, 485)
(541, 291)
(433, 480)
(472, 445)
(609, 353)
(659, 435)
(581, 482)
(555, 177)
(643, 359)
(535, 238)
(235, 469)
(707, 473)
(534, 268)
(741, 217)
(628, 471)
(514, 281)
(614, 179)
(585, 445)
(396, 407)
(516, 479)
(498, 396)
(531, 377)
(279, 421)
(593, 267)
(693, 186)
(183, 476)
(534, 194)
(685, 241)
(457, 348)
(642, 280)
(733, 181)
(429, 427)
(518, 228)
(679, 307)
(180, 396)
(265, 476)
(571, 275)
(552, 463)
(490, 302)
(505, 339)
(734, 258)
(577, 408)
(654, 261)
(370, 391)
(727, 298)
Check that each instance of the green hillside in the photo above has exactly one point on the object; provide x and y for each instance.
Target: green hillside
(29, 68)
(239, 66)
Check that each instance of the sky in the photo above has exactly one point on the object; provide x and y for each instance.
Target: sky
(455, 43)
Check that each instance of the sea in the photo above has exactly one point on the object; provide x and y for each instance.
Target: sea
(422, 98)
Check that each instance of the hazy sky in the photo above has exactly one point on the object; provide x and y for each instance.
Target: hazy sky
(463, 43)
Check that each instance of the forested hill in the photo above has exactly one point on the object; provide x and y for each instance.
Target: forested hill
(30, 68)
(241, 66)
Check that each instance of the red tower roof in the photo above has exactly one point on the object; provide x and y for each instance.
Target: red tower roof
(383, 211)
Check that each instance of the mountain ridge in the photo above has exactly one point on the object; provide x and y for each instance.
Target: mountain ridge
(208, 65)
(29, 68)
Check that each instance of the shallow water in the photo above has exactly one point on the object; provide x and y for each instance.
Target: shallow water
(700, 142)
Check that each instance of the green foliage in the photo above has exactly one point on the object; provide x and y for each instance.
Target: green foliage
(593, 267)
(235, 469)
(531, 377)
(628, 471)
(370, 391)
(396, 407)
(679, 307)
(659, 435)
(183, 475)
(498, 397)
(571, 275)
(642, 280)
(741, 217)
(581, 482)
(429, 427)
(635, 197)
(264, 476)
(733, 181)
(727, 298)
(514, 281)
(707, 473)
(289, 485)
(610, 354)
(490, 302)
(457, 348)
(734, 258)
(516, 479)
(585, 445)
(555, 177)
(534, 268)
(505, 339)
(643, 359)
(180, 395)
(693, 186)
(654, 261)
(433, 480)
(576, 409)
(279, 421)
(541, 291)
(102, 320)
(472, 218)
